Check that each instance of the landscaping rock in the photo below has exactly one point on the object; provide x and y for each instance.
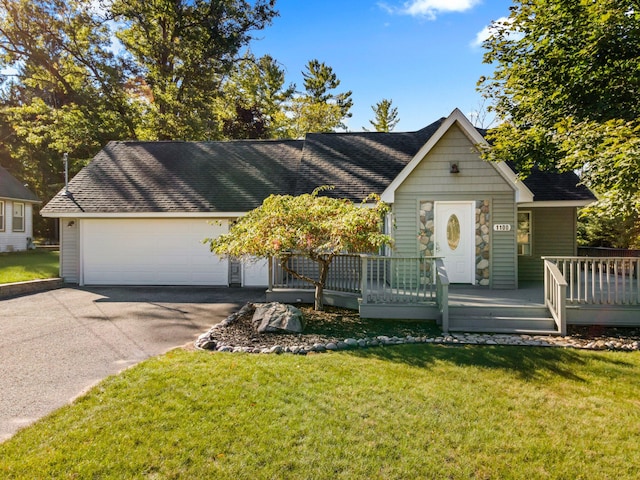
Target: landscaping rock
(237, 334)
(277, 317)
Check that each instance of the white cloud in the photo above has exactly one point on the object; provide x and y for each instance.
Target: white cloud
(487, 31)
(431, 8)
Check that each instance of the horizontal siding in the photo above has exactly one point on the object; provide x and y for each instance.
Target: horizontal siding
(477, 180)
(70, 250)
(15, 241)
(503, 244)
(433, 175)
(553, 234)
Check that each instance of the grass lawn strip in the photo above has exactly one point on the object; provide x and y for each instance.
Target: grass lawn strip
(29, 265)
(412, 411)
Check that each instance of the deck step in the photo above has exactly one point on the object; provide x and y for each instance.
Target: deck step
(527, 311)
(502, 324)
(510, 331)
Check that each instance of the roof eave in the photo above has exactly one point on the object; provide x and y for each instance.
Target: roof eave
(557, 203)
(25, 200)
(72, 214)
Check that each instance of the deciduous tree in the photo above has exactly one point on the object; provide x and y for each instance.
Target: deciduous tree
(184, 49)
(62, 90)
(567, 87)
(255, 99)
(317, 227)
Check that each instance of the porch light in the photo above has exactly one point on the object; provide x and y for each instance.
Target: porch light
(453, 168)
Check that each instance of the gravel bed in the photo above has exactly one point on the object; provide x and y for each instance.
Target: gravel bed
(341, 329)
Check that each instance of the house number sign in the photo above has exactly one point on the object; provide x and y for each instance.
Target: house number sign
(501, 227)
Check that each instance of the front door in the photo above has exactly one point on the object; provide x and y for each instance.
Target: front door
(455, 239)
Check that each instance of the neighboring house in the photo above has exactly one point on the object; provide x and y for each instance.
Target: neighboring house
(16, 214)
(138, 213)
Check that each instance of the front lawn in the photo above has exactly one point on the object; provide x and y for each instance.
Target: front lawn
(415, 411)
(29, 265)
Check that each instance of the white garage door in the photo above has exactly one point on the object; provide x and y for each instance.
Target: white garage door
(151, 252)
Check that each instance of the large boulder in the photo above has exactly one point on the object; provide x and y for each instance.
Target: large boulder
(277, 317)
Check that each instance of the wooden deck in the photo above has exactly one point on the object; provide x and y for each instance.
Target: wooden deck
(400, 289)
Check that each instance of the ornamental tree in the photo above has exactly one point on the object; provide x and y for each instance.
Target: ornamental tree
(317, 227)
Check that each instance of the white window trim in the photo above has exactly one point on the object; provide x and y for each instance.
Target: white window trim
(530, 213)
(13, 217)
(2, 215)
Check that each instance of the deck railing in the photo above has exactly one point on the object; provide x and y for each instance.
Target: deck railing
(377, 279)
(344, 273)
(442, 293)
(600, 280)
(398, 279)
(555, 295)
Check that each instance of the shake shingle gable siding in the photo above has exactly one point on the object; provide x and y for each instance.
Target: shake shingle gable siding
(182, 177)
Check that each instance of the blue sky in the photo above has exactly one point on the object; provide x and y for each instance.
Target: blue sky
(422, 54)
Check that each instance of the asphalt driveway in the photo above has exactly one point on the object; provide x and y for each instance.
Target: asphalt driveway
(55, 345)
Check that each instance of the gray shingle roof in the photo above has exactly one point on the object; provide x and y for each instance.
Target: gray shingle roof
(10, 187)
(182, 177)
(550, 186)
(357, 164)
(237, 176)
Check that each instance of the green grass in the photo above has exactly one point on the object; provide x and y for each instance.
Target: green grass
(414, 411)
(30, 265)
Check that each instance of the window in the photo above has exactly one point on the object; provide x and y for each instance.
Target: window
(18, 217)
(1, 216)
(524, 233)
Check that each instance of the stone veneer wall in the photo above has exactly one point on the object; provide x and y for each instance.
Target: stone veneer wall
(483, 239)
(426, 237)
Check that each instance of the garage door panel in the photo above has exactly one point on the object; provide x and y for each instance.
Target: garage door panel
(151, 252)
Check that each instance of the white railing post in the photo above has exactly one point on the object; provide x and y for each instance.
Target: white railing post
(363, 281)
(555, 295)
(442, 293)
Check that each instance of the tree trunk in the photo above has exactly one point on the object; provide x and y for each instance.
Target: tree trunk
(324, 271)
(318, 301)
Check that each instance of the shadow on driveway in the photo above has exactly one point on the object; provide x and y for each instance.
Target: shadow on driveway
(55, 345)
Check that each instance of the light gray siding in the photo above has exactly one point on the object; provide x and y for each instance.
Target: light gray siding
(477, 180)
(503, 244)
(11, 241)
(70, 250)
(553, 231)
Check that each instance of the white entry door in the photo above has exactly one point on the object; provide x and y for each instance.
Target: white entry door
(455, 239)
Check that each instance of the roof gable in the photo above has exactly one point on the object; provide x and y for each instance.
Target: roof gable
(11, 188)
(456, 118)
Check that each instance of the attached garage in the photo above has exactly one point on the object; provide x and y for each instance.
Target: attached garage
(150, 251)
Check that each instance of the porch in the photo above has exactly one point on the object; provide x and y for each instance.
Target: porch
(577, 290)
